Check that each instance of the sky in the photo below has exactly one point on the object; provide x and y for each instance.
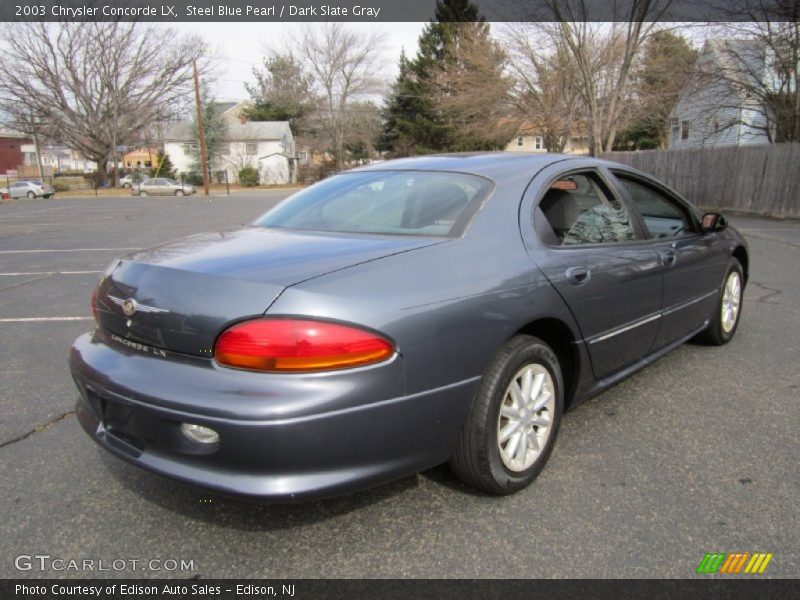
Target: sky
(238, 47)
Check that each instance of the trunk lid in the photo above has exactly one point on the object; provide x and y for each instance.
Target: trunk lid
(181, 295)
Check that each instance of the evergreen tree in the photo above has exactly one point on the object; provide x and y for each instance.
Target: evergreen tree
(283, 92)
(216, 128)
(666, 64)
(428, 108)
(401, 111)
(163, 166)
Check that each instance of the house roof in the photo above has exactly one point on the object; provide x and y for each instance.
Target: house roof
(739, 61)
(237, 132)
(226, 106)
(9, 133)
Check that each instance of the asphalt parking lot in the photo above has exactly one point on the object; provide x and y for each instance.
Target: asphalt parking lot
(697, 453)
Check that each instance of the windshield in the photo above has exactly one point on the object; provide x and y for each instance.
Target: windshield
(386, 202)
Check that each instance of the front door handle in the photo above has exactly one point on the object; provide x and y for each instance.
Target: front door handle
(668, 257)
(578, 275)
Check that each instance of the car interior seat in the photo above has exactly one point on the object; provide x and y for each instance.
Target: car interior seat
(561, 210)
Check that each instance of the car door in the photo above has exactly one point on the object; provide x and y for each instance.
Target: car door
(155, 187)
(17, 190)
(692, 262)
(593, 253)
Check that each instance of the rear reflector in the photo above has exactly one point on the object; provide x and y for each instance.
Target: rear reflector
(287, 345)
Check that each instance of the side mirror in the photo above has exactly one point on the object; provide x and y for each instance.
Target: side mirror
(714, 222)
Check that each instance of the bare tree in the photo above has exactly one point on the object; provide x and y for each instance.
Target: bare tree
(345, 67)
(94, 86)
(546, 91)
(604, 55)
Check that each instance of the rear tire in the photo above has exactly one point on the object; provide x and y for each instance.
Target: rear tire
(179, 192)
(513, 420)
(727, 309)
(143, 194)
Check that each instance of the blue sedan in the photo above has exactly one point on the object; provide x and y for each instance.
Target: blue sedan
(398, 316)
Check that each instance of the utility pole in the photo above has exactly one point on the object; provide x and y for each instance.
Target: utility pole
(200, 129)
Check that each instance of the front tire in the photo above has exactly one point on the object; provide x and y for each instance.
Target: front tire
(513, 420)
(31, 195)
(728, 308)
(179, 193)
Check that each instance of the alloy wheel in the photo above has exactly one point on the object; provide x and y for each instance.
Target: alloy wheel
(526, 417)
(731, 301)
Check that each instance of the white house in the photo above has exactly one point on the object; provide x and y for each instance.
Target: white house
(529, 138)
(267, 146)
(714, 108)
(57, 157)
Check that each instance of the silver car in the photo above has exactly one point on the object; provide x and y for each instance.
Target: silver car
(132, 179)
(30, 189)
(162, 186)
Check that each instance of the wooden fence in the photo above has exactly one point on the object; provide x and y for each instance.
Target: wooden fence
(762, 180)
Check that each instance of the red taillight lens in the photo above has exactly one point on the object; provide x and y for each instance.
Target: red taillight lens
(298, 345)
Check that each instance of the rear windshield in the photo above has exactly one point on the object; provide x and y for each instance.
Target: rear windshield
(385, 202)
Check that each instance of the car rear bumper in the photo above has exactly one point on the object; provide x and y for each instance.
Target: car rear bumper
(282, 437)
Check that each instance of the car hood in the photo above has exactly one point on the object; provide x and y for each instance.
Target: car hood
(186, 292)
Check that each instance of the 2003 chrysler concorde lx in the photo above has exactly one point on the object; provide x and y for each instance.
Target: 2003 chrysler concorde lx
(398, 316)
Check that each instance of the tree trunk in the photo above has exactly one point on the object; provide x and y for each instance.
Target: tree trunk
(102, 171)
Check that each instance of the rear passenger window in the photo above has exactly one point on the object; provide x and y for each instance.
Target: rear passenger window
(579, 211)
(661, 217)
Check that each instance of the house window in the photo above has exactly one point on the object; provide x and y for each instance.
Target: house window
(684, 130)
(189, 148)
(520, 142)
(251, 148)
(539, 142)
(224, 149)
(302, 155)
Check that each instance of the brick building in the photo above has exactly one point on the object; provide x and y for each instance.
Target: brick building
(11, 153)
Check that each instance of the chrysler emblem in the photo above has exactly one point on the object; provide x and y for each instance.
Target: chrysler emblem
(129, 307)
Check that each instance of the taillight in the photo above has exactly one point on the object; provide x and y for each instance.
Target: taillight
(298, 345)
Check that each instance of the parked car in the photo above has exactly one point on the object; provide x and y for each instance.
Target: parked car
(162, 186)
(28, 189)
(133, 178)
(399, 316)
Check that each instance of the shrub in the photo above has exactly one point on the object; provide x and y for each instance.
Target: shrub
(248, 176)
(192, 178)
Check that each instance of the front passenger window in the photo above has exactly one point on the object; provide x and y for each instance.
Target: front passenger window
(661, 217)
(579, 211)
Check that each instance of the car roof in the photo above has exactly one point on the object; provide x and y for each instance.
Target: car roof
(494, 165)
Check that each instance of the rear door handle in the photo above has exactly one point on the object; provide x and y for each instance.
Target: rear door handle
(668, 257)
(578, 275)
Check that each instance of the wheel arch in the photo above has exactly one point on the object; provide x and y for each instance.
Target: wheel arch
(557, 334)
(740, 254)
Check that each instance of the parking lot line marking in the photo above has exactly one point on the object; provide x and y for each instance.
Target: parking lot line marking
(49, 273)
(44, 250)
(40, 319)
